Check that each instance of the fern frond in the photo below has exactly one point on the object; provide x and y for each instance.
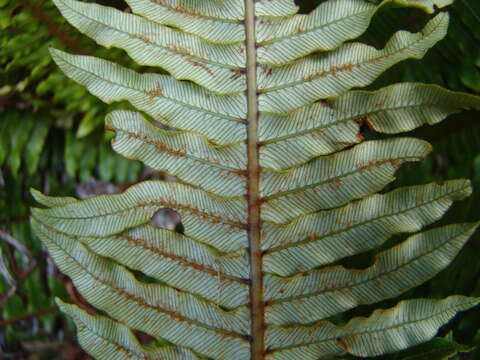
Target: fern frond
(327, 236)
(427, 5)
(103, 337)
(274, 186)
(213, 66)
(337, 289)
(174, 103)
(156, 309)
(206, 24)
(333, 124)
(279, 9)
(182, 261)
(315, 77)
(383, 332)
(180, 153)
(325, 28)
(332, 181)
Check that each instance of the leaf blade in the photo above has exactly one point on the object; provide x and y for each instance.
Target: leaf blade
(192, 159)
(102, 337)
(320, 294)
(318, 77)
(396, 332)
(151, 44)
(173, 103)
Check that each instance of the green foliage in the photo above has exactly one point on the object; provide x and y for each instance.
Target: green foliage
(40, 98)
(51, 137)
(302, 225)
(190, 309)
(82, 150)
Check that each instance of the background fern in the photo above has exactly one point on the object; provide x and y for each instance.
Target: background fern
(458, 148)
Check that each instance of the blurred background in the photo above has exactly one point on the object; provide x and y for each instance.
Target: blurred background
(52, 139)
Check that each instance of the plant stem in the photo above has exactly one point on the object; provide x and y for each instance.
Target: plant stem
(52, 27)
(22, 317)
(254, 218)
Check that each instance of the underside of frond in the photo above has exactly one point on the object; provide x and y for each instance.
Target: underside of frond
(275, 183)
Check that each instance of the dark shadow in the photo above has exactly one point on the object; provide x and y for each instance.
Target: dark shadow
(167, 219)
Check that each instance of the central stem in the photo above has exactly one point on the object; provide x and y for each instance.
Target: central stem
(254, 221)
